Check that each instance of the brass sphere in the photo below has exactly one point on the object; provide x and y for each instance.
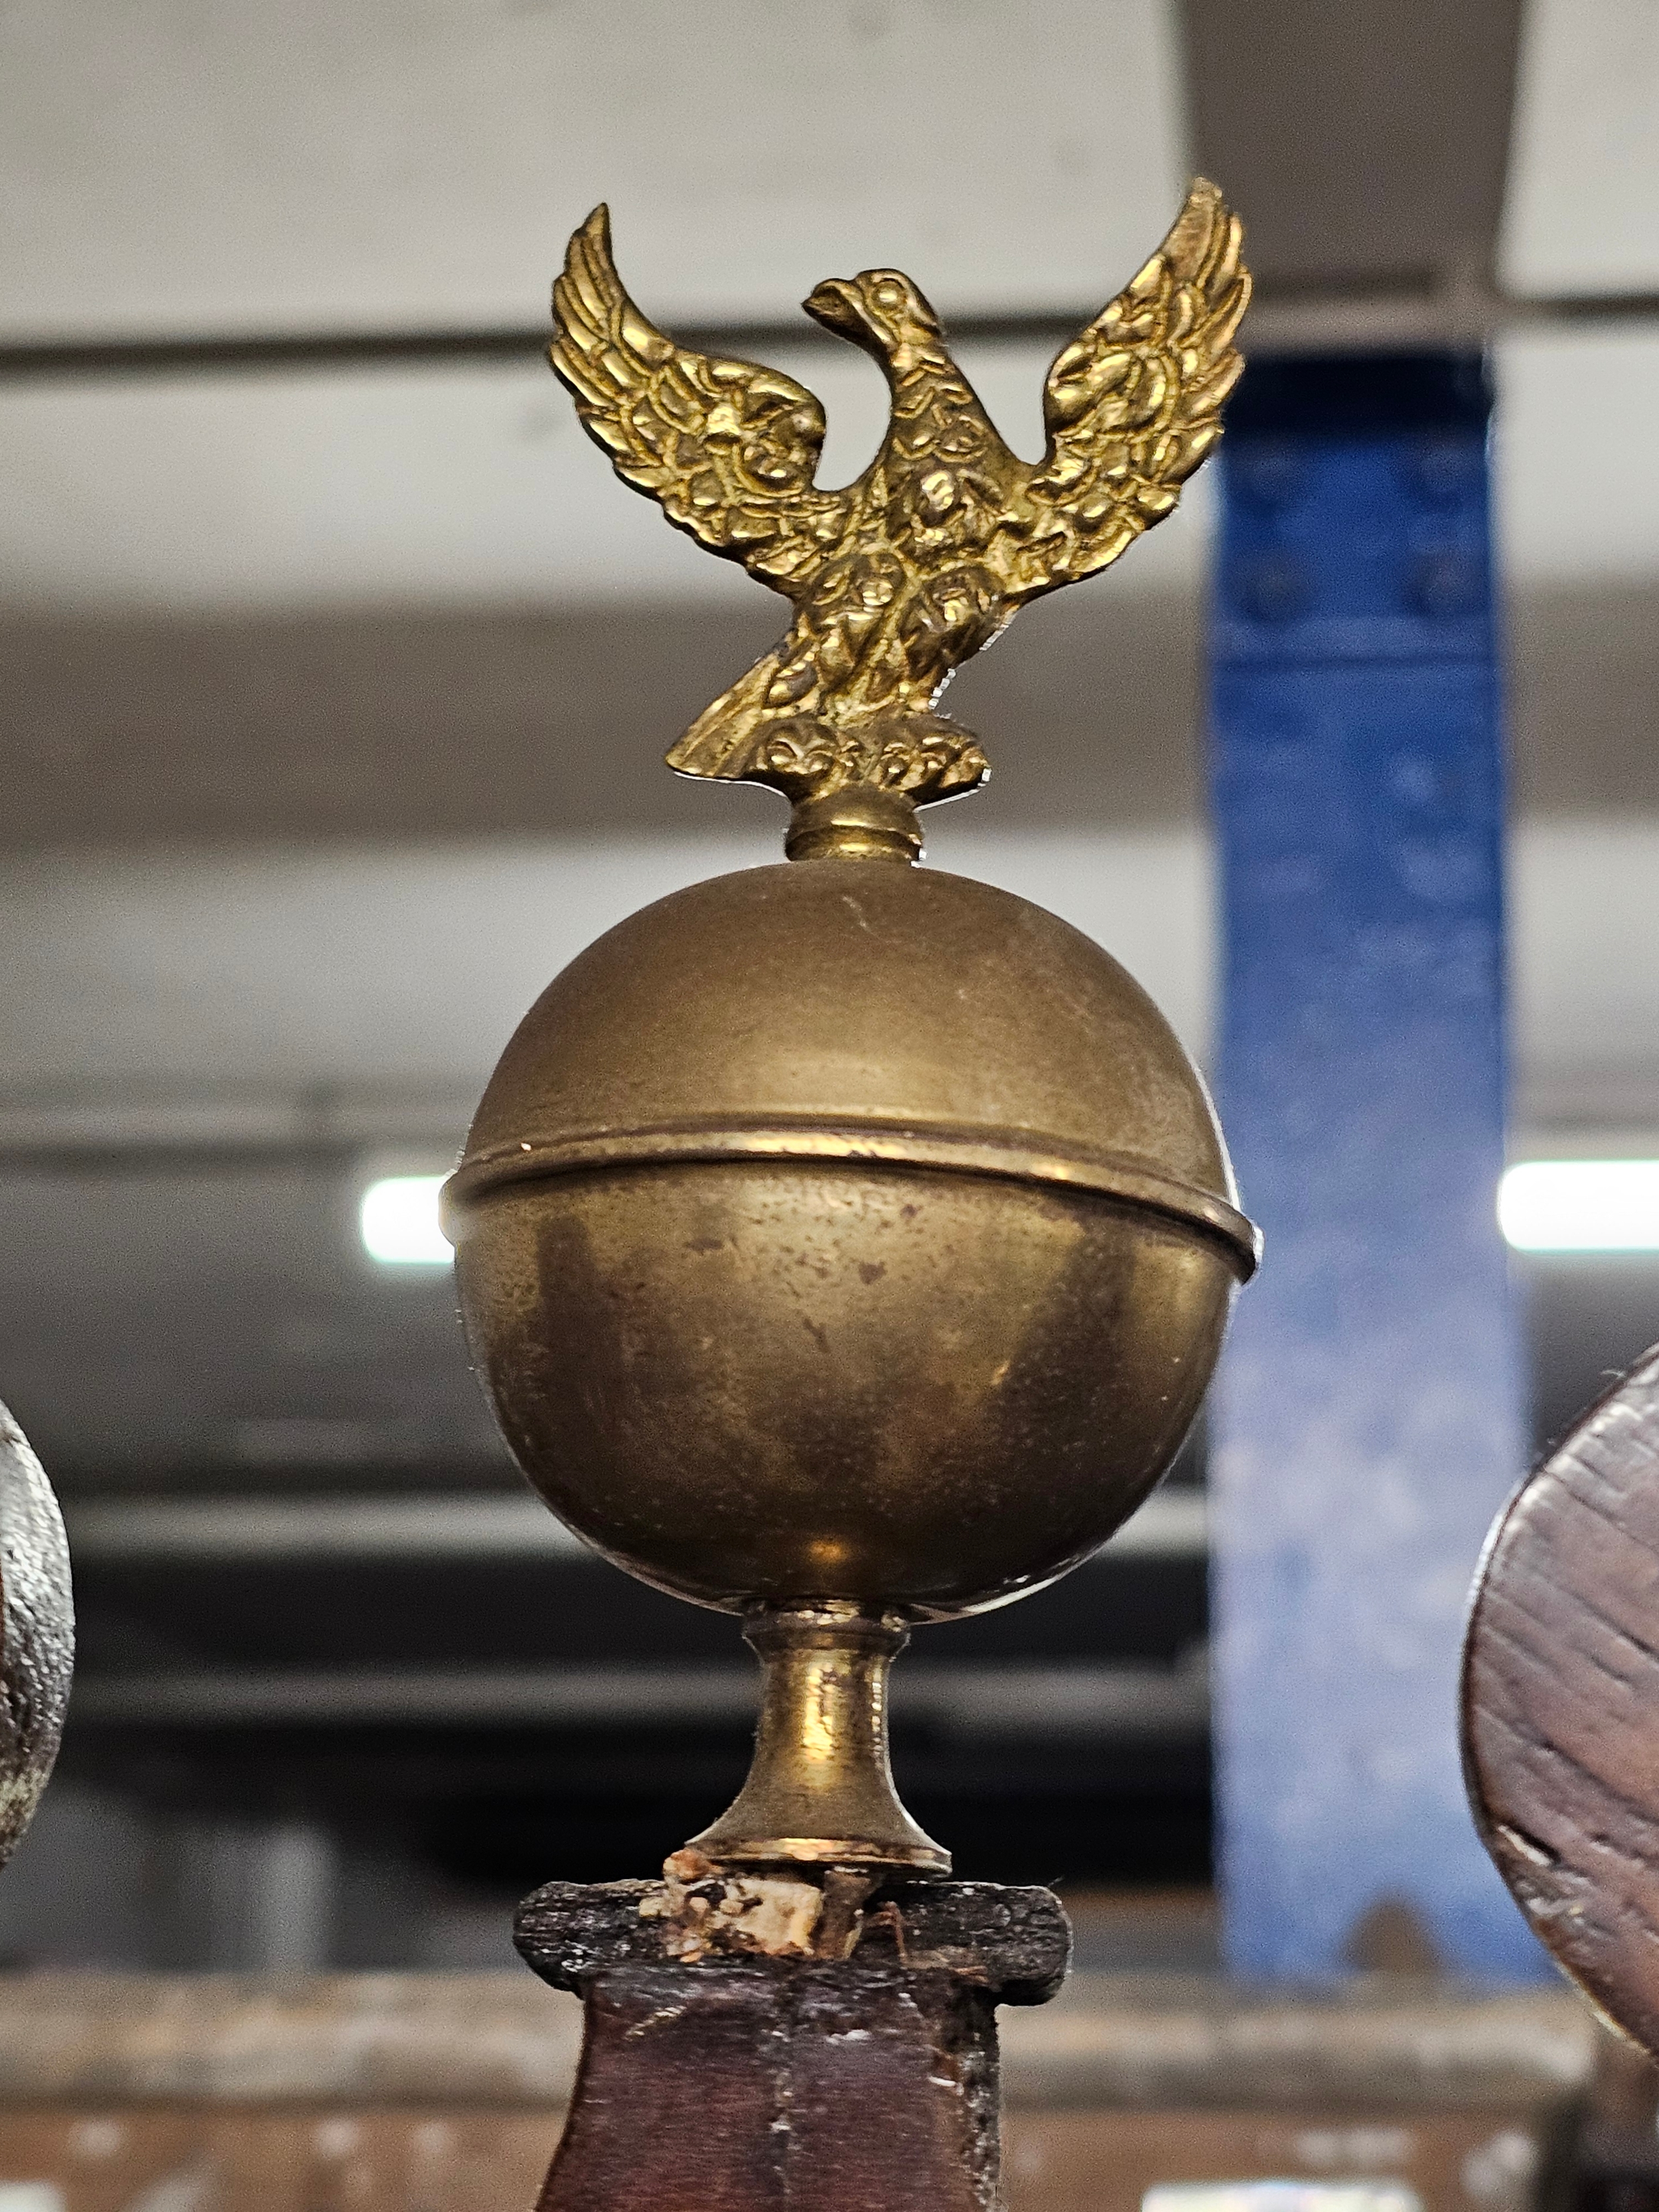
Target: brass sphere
(845, 1233)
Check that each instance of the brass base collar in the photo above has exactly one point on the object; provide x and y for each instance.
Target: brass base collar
(820, 1788)
(859, 822)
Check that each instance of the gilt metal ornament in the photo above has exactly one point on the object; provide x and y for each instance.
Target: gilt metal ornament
(848, 1245)
(910, 571)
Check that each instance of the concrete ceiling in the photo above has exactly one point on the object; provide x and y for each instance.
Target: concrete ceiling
(524, 722)
(335, 695)
(338, 669)
(385, 606)
(474, 487)
(188, 166)
(430, 486)
(1367, 145)
(193, 998)
(1584, 164)
(204, 170)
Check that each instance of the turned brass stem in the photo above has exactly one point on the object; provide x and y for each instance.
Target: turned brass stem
(820, 1787)
(859, 822)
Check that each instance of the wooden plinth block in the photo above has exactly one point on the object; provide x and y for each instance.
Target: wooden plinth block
(736, 2082)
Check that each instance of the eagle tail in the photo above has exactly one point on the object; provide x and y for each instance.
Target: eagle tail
(719, 742)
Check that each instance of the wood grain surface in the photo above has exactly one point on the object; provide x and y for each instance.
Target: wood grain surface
(1560, 1706)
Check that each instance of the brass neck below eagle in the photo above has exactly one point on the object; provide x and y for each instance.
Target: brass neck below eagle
(904, 575)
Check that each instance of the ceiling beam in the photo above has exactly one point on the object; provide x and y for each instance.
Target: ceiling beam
(378, 1529)
(1367, 146)
(1099, 1704)
(1417, 308)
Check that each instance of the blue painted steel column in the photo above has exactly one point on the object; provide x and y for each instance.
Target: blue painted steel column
(1368, 1421)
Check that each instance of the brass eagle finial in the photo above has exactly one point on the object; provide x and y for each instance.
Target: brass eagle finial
(907, 573)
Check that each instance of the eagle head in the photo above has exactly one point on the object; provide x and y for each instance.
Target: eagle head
(879, 309)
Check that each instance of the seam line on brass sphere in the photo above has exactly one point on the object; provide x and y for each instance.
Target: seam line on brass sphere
(959, 1152)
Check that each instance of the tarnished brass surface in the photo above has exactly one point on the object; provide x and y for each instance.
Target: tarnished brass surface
(760, 1384)
(844, 1235)
(842, 1245)
(903, 575)
(821, 1782)
(841, 1009)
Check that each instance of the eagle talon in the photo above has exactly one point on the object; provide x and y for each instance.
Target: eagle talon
(925, 757)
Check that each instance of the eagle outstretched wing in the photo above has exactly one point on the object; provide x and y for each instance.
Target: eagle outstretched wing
(1134, 403)
(727, 448)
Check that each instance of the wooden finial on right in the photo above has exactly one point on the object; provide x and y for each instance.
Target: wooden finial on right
(1560, 1702)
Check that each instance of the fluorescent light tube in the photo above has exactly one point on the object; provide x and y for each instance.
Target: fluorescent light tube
(1581, 1206)
(399, 1218)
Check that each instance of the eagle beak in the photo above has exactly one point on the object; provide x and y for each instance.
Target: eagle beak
(837, 305)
